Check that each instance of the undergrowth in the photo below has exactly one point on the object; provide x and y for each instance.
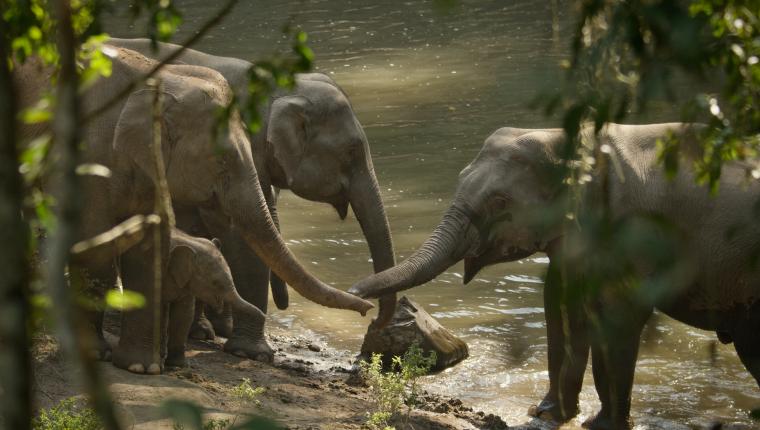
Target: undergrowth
(398, 387)
(68, 414)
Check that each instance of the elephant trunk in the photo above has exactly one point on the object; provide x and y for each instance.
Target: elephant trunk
(239, 305)
(365, 200)
(279, 288)
(247, 206)
(454, 237)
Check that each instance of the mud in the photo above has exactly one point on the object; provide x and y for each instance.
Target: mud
(307, 387)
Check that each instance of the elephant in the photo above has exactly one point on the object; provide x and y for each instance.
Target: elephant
(206, 166)
(502, 211)
(312, 144)
(197, 269)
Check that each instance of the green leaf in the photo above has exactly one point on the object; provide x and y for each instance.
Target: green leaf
(124, 301)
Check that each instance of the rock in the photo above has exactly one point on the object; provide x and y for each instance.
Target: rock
(412, 324)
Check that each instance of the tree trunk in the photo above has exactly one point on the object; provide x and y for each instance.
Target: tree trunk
(74, 336)
(15, 364)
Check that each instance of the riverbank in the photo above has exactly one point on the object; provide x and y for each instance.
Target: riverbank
(307, 387)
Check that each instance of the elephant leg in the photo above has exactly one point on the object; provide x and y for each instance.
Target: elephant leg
(201, 328)
(222, 322)
(181, 314)
(618, 323)
(568, 349)
(135, 351)
(251, 278)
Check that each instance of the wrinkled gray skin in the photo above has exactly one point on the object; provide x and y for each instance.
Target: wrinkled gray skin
(197, 269)
(216, 173)
(495, 217)
(312, 144)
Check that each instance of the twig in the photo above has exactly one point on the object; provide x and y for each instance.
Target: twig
(120, 238)
(173, 56)
(163, 207)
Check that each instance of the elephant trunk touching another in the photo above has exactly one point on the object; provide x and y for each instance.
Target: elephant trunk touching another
(260, 232)
(451, 241)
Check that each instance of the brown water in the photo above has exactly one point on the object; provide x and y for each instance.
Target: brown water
(429, 88)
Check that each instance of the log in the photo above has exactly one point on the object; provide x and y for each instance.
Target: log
(410, 324)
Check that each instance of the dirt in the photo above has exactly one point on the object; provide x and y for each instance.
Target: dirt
(307, 387)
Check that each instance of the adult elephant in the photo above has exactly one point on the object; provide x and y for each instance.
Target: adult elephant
(501, 213)
(312, 144)
(215, 172)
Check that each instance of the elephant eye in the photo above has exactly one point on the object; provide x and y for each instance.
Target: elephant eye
(500, 202)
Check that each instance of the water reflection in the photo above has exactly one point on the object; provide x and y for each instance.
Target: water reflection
(428, 89)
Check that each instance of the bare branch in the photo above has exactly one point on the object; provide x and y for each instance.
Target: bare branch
(116, 240)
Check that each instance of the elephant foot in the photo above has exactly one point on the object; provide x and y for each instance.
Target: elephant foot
(550, 410)
(603, 421)
(258, 350)
(102, 350)
(136, 361)
(202, 329)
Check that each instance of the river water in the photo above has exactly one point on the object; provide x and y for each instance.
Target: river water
(429, 86)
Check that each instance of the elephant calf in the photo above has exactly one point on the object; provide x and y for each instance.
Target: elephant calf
(505, 209)
(196, 269)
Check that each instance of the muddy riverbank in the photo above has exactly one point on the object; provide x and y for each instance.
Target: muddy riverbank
(307, 387)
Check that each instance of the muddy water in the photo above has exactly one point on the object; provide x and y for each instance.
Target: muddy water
(428, 88)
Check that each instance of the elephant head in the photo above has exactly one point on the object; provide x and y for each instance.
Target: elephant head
(321, 154)
(197, 265)
(209, 164)
(498, 213)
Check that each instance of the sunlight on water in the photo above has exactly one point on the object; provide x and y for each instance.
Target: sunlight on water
(429, 88)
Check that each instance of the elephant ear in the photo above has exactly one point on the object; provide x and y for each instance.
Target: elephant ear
(181, 264)
(288, 132)
(133, 134)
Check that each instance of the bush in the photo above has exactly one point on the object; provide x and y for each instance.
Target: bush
(68, 414)
(397, 387)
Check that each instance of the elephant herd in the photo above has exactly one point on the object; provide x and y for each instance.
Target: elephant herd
(224, 186)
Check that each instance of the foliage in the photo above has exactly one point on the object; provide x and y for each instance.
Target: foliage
(626, 55)
(397, 387)
(246, 394)
(68, 414)
(30, 29)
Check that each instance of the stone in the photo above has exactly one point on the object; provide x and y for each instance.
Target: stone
(410, 324)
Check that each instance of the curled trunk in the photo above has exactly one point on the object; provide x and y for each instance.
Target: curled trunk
(449, 243)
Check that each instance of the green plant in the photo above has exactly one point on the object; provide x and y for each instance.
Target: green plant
(246, 394)
(396, 387)
(68, 414)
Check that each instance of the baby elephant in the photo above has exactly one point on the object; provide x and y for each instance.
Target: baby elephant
(196, 269)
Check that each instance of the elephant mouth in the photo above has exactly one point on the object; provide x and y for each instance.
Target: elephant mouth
(342, 208)
(473, 265)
